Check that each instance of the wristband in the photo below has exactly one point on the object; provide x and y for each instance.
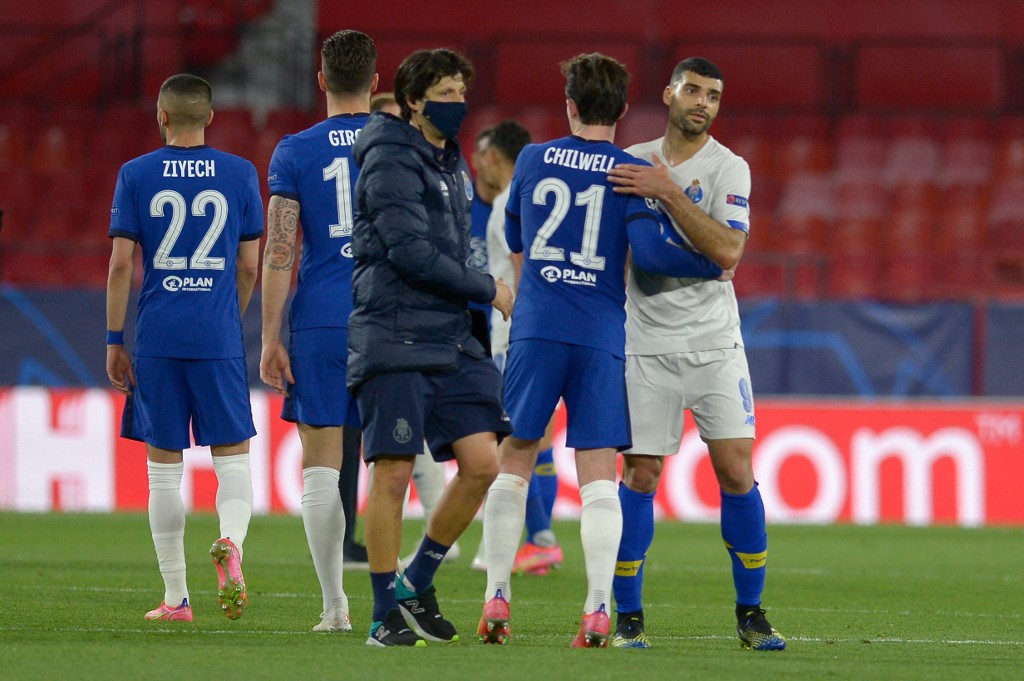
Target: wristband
(115, 337)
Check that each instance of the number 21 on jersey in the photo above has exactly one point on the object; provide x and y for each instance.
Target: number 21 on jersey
(592, 198)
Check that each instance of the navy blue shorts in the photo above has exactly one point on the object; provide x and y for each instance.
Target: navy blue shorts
(319, 359)
(401, 410)
(169, 394)
(592, 382)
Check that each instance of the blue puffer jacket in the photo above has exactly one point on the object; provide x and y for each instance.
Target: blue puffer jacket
(410, 239)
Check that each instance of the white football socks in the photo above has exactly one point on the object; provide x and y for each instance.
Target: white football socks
(234, 497)
(428, 476)
(324, 520)
(504, 518)
(167, 525)
(600, 532)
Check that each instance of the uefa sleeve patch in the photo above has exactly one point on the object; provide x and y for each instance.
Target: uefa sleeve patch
(736, 200)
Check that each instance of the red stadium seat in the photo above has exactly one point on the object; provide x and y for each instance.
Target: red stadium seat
(1010, 157)
(962, 226)
(806, 209)
(860, 158)
(854, 276)
(967, 162)
(751, 71)
(912, 160)
(861, 236)
(643, 122)
(527, 71)
(908, 278)
(1006, 214)
(911, 222)
(947, 76)
(806, 149)
(57, 150)
(760, 276)
(543, 122)
(232, 131)
(35, 267)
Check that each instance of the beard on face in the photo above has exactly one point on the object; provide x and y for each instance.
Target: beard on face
(681, 120)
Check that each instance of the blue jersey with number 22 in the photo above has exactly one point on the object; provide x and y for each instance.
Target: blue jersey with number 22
(188, 209)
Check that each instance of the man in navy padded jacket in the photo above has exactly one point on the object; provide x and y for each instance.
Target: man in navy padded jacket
(416, 370)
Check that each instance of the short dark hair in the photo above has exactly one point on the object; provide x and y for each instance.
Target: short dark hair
(349, 60)
(379, 101)
(508, 138)
(187, 99)
(698, 65)
(423, 69)
(598, 84)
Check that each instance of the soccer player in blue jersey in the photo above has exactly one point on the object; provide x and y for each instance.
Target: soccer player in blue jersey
(312, 177)
(415, 368)
(568, 336)
(196, 214)
(685, 351)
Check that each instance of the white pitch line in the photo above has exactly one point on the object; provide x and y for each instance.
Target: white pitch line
(529, 637)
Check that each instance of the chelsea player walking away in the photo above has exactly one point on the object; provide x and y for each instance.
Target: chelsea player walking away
(685, 351)
(312, 179)
(568, 338)
(196, 213)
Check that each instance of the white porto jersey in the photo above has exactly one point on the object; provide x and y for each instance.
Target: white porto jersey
(666, 315)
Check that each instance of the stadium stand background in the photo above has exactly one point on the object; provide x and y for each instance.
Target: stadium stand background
(886, 142)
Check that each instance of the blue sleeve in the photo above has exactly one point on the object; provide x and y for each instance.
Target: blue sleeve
(513, 226)
(253, 227)
(281, 176)
(122, 212)
(654, 253)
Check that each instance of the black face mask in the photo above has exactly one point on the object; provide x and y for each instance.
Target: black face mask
(447, 117)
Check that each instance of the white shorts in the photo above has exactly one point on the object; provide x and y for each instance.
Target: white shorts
(713, 384)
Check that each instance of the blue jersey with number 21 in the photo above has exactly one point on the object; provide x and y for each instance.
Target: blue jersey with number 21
(188, 210)
(571, 228)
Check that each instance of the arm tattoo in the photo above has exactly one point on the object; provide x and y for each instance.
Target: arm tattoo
(283, 225)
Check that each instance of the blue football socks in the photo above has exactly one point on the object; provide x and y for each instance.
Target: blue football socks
(637, 535)
(743, 529)
(540, 499)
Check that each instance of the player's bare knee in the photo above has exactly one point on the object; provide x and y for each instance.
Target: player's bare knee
(641, 473)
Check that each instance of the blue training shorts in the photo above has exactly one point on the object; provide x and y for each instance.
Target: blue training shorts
(400, 410)
(319, 359)
(169, 394)
(592, 382)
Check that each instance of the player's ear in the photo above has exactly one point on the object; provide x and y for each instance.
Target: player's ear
(373, 85)
(666, 96)
(209, 119)
(623, 114)
(321, 81)
(571, 110)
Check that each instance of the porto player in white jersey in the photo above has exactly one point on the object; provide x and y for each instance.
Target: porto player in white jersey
(567, 336)
(196, 214)
(685, 351)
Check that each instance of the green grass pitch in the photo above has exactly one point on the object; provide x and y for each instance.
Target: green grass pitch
(854, 602)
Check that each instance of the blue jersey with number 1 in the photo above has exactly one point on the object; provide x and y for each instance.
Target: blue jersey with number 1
(571, 228)
(315, 168)
(188, 209)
